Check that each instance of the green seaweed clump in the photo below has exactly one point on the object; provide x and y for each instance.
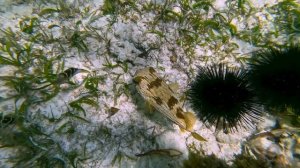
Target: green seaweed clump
(196, 160)
(244, 161)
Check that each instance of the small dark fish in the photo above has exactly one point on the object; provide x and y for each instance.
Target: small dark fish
(168, 152)
(62, 77)
(6, 120)
(112, 111)
(67, 74)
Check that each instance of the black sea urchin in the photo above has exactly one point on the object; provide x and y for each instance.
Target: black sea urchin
(221, 96)
(275, 76)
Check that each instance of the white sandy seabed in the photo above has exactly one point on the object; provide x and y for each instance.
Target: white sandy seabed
(131, 129)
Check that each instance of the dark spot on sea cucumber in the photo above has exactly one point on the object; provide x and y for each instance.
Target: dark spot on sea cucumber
(156, 83)
(138, 79)
(179, 113)
(171, 102)
(152, 70)
(158, 100)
